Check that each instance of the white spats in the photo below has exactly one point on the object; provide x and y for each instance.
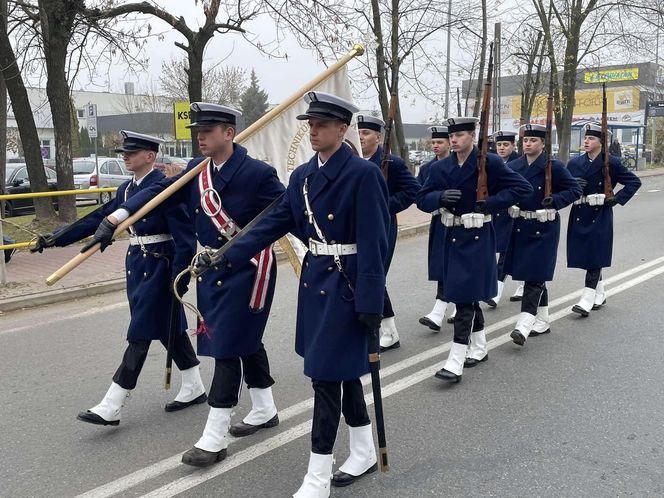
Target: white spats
(518, 293)
(216, 428)
(600, 294)
(501, 287)
(316, 483)
(192, 385)
(456, 358)
(541, 324)
(587, 299)
(262, 406)
(111, 406)
(389, 336)
(362, 451)
(524, 323)
(437, 314)
(477, 349)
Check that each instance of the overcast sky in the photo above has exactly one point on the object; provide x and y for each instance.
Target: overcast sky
(279, 77)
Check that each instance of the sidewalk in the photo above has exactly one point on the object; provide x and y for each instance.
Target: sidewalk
(26, 273)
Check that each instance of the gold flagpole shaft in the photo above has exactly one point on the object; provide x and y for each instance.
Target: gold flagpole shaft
(257, 126)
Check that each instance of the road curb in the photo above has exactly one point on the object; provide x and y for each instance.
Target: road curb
(88, 290)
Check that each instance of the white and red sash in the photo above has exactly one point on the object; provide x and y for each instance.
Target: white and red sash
(211, 204)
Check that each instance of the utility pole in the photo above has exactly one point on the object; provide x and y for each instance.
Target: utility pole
(447, 63)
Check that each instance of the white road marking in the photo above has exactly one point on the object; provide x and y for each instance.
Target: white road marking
(130, 480)
(199, 477)
(53, 319)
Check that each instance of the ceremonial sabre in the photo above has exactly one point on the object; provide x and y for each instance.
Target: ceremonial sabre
(173, 328)
(374, 367)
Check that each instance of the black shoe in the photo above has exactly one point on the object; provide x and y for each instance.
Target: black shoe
(93, 418)
(174, 406)
(428, 322)
(197, 457)
(518, 337)
(578, 309)
(396, 345)
(341, 479)
(472, 362)
(598, 306)
(534, 333)
(447, 376)
(450, 319)
(241, 429)
(515, 299)
(491, 303)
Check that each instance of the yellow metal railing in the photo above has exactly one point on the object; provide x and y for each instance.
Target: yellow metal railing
(55, 193)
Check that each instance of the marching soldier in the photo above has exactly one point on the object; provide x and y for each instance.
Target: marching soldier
(590, 227)
(228, 193)
(468, 262)
(160, 246)
(502, 223)
(336, 203)
(402, 187)
(533, 244)
(440, 145)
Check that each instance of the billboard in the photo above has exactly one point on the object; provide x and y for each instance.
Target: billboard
(181, 117)
(609, 75)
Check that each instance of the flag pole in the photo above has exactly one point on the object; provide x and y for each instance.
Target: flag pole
(240, 137)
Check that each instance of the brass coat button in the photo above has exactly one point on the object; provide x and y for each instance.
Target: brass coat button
(128, 272)
(306, 285)
(218, 283)
(322, 293)
(330, 216)
(477, 237)
(200, 279)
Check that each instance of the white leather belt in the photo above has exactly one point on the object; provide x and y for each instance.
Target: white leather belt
(320, 249)
(541, 215)
(138, 240)
(592, 199)
(468, 220)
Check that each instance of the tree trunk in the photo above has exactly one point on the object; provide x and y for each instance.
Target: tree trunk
(480, 76)
(564, 125)
(383, 99)
(195, 84)
(26, 124)
(56, 18)
(400, 143)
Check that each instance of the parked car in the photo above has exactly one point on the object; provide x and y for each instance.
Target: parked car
(17, 182)
(170, 165)
(112, 173)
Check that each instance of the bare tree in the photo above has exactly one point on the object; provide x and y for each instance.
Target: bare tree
(221, 84)
(24, 119)
(235, 12)
(575, 30)
(396, 33)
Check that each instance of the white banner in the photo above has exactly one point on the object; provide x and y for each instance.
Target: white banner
(284, 142)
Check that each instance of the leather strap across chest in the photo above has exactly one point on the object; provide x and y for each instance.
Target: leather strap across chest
(228, 228)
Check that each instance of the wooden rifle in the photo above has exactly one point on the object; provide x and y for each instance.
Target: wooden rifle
(547, 145)
(608, 189)
(482, 188)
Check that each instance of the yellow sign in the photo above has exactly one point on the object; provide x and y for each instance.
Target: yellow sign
(606, 75)
(181, 117)
(623, 99)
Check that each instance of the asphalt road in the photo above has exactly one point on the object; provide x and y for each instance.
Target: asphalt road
(574, 413)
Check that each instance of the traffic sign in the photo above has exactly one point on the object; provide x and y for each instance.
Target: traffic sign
(91, 119)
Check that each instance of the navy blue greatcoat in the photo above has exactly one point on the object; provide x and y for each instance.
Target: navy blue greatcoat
(436, 228)
(533, 246)
(349, 199)
(502, 223)
(246, 186)
(402, 187)
(590, 228)
(148, 277)
(467, 262)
